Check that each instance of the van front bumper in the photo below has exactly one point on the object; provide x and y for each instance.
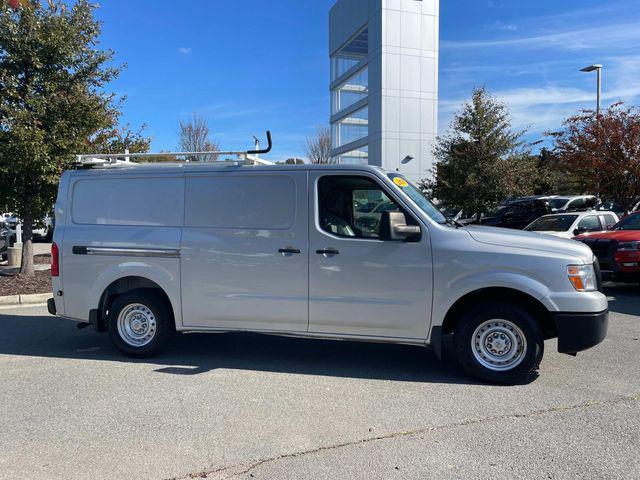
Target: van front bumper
(580, 331)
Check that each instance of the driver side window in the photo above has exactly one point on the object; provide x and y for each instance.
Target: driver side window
(352, 206)
(590, 224)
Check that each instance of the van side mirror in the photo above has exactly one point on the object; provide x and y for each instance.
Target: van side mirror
(579, 231)
(393, 226)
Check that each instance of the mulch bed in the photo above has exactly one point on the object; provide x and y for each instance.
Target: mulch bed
(44, 259)
(17, 284)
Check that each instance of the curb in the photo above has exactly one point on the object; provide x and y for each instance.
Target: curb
(30, 299)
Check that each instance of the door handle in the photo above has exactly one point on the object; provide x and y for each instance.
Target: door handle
(289, 250)
(328, 251)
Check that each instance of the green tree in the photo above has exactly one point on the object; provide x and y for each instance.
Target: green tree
(53, 103)
(117, 140)
(480, 161)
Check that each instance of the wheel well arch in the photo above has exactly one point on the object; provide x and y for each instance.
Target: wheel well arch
(129, 284)
(501, 294)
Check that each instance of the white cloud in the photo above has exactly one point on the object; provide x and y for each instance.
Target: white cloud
(498, 25)
(536, 73)
(185, 50)
(582, 39)
(543, 108)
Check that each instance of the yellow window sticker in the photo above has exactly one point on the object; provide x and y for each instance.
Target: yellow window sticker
(401, 182)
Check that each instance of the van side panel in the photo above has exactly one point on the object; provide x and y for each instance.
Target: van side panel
(120, 226)
(236, 274)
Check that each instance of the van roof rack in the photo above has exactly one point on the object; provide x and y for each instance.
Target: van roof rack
(243, 157)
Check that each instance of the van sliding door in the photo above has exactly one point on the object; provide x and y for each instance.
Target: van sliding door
(244, 251)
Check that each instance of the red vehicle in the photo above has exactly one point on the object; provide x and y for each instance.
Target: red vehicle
(617, 250)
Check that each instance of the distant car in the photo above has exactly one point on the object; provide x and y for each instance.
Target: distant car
(575, 203)
(613, 206)
(568, 225)
(530, 197)
(618, 250)
(5, 235)
(517, 214)
(367, 217)
(466, 218)
(463, 217)
(42, 230)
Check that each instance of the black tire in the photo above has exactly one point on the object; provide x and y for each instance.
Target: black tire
(156, 311)
(477, 316)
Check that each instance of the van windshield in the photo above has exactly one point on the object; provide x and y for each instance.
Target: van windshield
(418, 197)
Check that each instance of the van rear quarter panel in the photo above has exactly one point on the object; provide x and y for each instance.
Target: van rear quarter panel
(126, 211)
(60, 211)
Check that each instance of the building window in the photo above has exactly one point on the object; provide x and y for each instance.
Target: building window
(349, 55)
(351, 128)
(352, 90)
(359, 156)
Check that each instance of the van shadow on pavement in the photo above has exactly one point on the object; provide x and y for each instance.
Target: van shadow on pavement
(196, 353)
(192, 354)
(623, 298)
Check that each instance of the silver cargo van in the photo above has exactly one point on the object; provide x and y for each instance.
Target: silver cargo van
(322, 251)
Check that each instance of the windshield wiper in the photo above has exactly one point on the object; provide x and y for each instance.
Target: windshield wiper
(453, 223)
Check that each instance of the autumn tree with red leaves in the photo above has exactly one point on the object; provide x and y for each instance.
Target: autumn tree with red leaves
(602, 152)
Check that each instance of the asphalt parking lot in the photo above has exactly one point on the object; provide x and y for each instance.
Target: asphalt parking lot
(245, 406)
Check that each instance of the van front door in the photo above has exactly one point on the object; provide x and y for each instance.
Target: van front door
(244, 251)
(358, 283)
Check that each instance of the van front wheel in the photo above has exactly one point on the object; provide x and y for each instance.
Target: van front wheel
(499, 342)
(139, 323)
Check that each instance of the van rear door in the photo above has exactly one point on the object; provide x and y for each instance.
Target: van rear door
(244, 251)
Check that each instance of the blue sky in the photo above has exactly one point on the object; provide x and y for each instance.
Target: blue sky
(249, 65)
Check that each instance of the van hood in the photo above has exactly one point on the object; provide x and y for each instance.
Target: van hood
(504, 237)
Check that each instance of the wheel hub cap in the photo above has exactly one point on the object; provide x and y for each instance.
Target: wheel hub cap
(499, 345)
(136, 325)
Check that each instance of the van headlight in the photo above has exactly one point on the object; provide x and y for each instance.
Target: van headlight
(582, 277)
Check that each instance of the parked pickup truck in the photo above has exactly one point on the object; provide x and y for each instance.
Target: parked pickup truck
(618, 250)
(143, 250)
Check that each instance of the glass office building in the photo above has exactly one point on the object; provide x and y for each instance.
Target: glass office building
(384, 69)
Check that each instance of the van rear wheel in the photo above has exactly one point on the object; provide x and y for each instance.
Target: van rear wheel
(499, 342)
(140, 323)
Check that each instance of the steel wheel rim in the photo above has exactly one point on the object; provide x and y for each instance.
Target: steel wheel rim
(137, 325)
(499, 345)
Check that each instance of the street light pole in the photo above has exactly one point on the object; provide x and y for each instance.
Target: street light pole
(598, 69)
